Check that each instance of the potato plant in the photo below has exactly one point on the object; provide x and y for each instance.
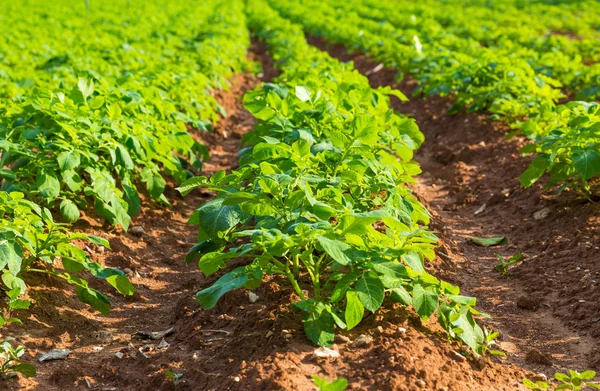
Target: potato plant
(114, 117)
(320, 195)
(515, 84)
(31, 241)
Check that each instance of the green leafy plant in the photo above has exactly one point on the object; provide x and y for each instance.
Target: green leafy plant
(173, 376)
(487, 347)
(569, 151)
(111, 111)
(504, 264)
(31, 241)
(10, 360)
(493, 68)
(324, 385)
(571, 381)
(320, 197)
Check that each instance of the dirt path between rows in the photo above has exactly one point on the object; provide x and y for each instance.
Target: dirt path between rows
(547, 308)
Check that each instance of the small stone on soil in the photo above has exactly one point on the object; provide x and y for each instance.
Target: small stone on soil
(535, 356)
(539, 377)
(324, 352)
(541, 214)
(137, 231)
(341, 339)
(362, 340)
(119, 355)
(253, 297)
(103, 336)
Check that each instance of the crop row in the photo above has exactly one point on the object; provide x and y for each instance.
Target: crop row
(565, 138)
(320, 197)
(90, 106)
(505, 30)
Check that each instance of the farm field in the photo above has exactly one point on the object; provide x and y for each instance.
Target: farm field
(315, 195)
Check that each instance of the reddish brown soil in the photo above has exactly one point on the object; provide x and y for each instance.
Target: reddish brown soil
(241, 345)
(551, 301)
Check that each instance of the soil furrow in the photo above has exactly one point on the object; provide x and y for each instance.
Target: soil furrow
(547, 307)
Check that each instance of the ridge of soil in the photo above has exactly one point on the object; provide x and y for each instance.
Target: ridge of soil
(470, 183)
(245, 345)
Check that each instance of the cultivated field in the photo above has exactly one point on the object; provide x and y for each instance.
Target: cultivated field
(316, 195)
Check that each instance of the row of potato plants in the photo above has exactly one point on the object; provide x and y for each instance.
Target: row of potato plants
(320, 197)
(91, 104)
(478, 78)
(109, 103)
(504, 29)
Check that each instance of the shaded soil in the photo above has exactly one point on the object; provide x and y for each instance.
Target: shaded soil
(245, 345)
(470, 182)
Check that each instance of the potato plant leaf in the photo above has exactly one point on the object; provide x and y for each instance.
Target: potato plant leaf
(488, 242)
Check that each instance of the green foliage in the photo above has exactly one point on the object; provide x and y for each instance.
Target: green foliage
(501, 64)
(504, 264)
(337, 385)
(10, 361)
(571, 381)
(31, 241)
(108, 98)
(567, 144)
(320, 195)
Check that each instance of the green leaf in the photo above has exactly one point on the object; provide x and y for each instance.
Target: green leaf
(96, 102)
(338, 385)
(68, 160)
(238, 197)
(258, 207)
(587, 162)
(343, 285)
(335, 249)
(210, 263)
(471, 333)
(487, 242)
(209, 297)
(303, 93)
(121, 284)
(69, 211)
(24, 369)
(401, 295)
(94, 298)
(99, 241)
(587, 375)
(215, 218)
(86, 87)
(354, 310)
(124, 159)
(192, 183)
(414, 260)
(535, 170)
(425, 301)
(370, 291)
(319, 326)
(155, 186)
(11, 255)
(48, 185)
